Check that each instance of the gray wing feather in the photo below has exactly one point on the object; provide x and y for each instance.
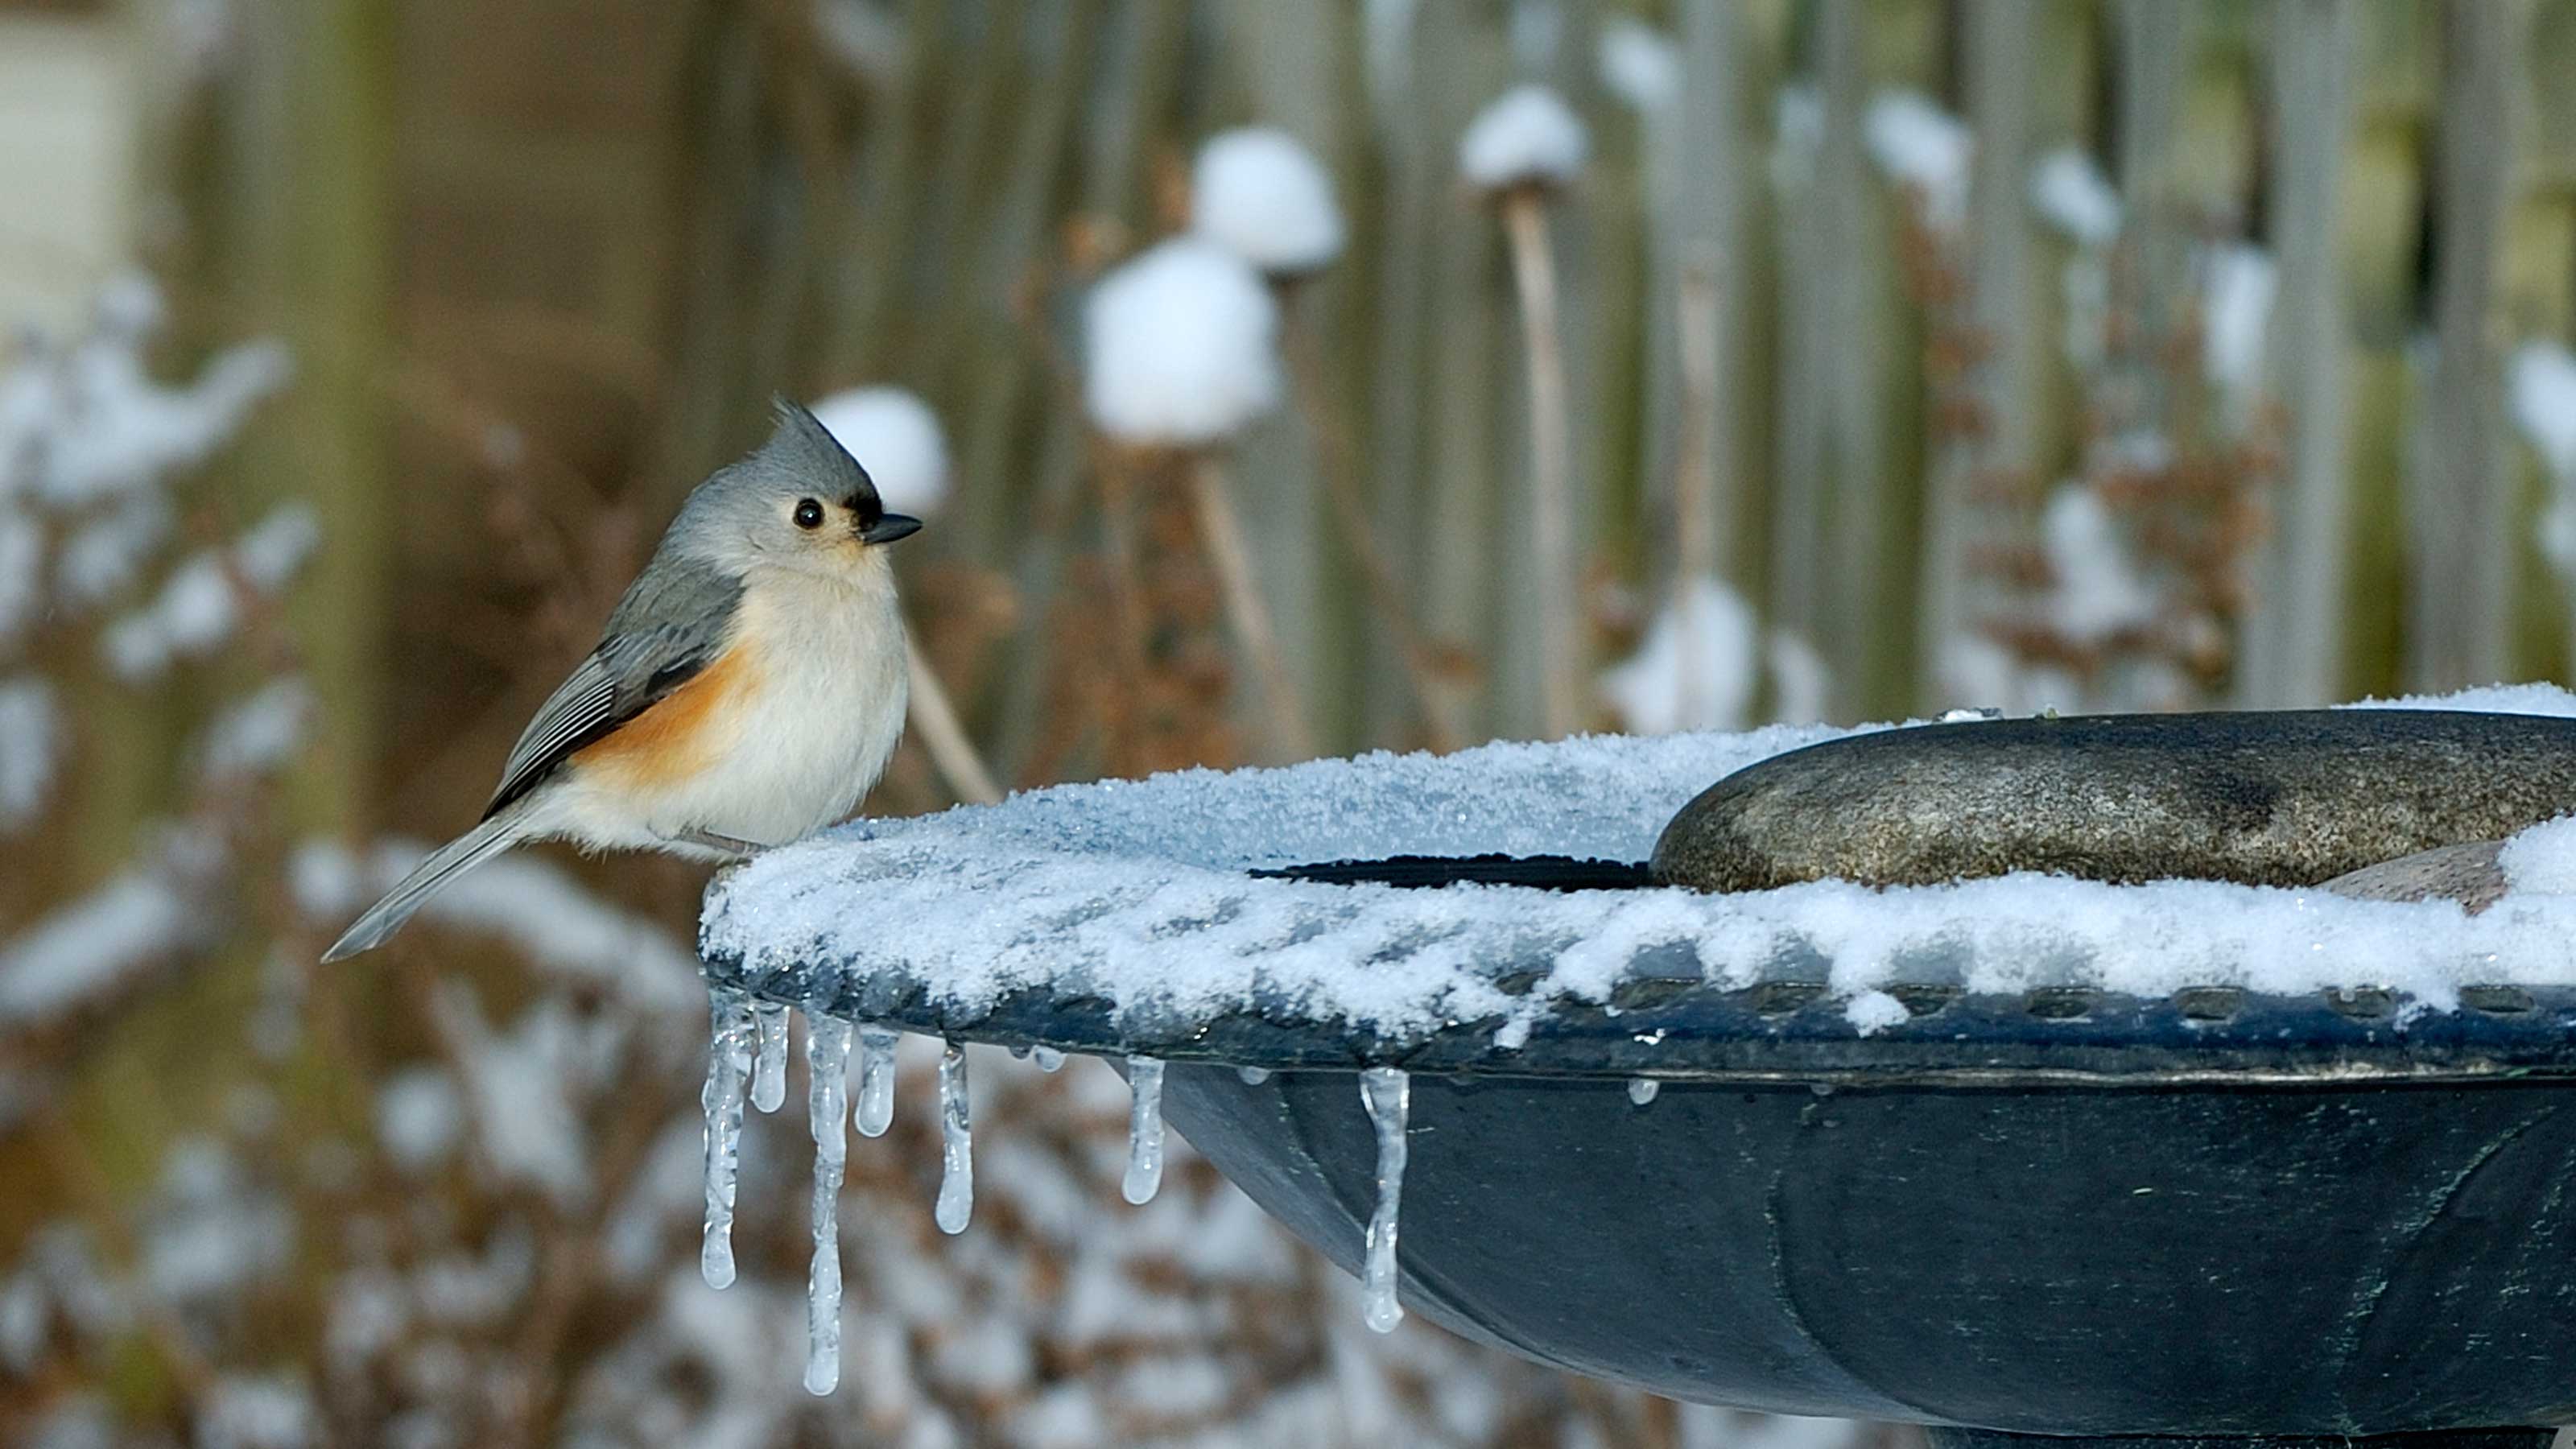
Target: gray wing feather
(674, 620)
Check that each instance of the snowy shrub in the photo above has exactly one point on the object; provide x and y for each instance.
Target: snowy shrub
(1529, 137)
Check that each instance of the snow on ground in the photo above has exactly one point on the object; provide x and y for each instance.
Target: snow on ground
(1263, 196)
(1135, 890)
(1529, 137)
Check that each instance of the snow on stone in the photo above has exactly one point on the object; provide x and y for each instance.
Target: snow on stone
(2541, 861)
(30, 741)
(2237, 289)
(1919, 145)
(1695, 669)
(1135, 891)
(1529, 137)
(254, 735)
(1639, 63)
(896, 437)
(199, 605)
(2070, 191)
(1259, 193)
(2098, 592)
(1386, 1093)
(1181, 346)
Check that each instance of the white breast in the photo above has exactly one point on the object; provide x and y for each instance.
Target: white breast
(811, 732)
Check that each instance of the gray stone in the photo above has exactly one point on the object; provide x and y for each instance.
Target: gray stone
(2469, 874)
(2289, 798)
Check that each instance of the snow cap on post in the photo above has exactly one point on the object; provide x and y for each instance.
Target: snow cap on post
(2073, 194)
(1180, 346)
(896, 437)
(1263, 196)
(1920, 145)
(1530, 137)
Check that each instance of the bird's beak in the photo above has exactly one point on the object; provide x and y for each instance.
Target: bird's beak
(889, 528)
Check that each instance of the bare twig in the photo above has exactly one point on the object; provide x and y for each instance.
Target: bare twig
(1551, 526)
(1222, 532)
(1422, 658)
(943, 735)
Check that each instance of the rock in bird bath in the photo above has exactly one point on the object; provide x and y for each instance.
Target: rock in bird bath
(2285, 799)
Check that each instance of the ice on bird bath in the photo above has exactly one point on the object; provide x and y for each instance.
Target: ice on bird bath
(875, 1110)
(1144, 1130)
(769, 1063)
(729, 1049)
(1387, 1093)
(1138, 893)
(827, 1062)
(956, 1144)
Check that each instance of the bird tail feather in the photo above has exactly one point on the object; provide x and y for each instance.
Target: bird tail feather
(443, 865)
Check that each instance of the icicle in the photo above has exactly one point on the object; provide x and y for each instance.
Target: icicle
(827, 1112)
(1387, 1093)
(1253, 1076)
(729, 1042)
(876, 1079)
(1144, 1129)
(956, 1144)
(1642, 1090)
(769, 1068)
(1047, 1058)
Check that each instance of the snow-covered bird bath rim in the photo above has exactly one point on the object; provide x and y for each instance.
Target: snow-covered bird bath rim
(1126, 917)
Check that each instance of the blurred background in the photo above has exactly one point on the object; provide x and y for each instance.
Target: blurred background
(1777, 360)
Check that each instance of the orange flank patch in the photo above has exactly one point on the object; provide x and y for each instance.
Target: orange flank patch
(682, 733)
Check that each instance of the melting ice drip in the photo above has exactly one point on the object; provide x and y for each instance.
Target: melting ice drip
(1144, 1129)
(1642, 1090)
(875, 1109)
(747, 1049)
(1387, 1093)
(827, 1062)
(729, 1052)
(956, 1145)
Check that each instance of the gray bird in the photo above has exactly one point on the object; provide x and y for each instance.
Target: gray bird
(747, 691)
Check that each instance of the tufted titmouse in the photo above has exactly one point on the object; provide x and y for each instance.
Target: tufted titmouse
(747, 691)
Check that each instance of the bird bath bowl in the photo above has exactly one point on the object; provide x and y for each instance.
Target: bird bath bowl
(2021, 1156)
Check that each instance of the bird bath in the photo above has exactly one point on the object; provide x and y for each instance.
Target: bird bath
(2019, 1156)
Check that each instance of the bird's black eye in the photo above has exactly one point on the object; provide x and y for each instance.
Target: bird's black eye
(809, 514)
